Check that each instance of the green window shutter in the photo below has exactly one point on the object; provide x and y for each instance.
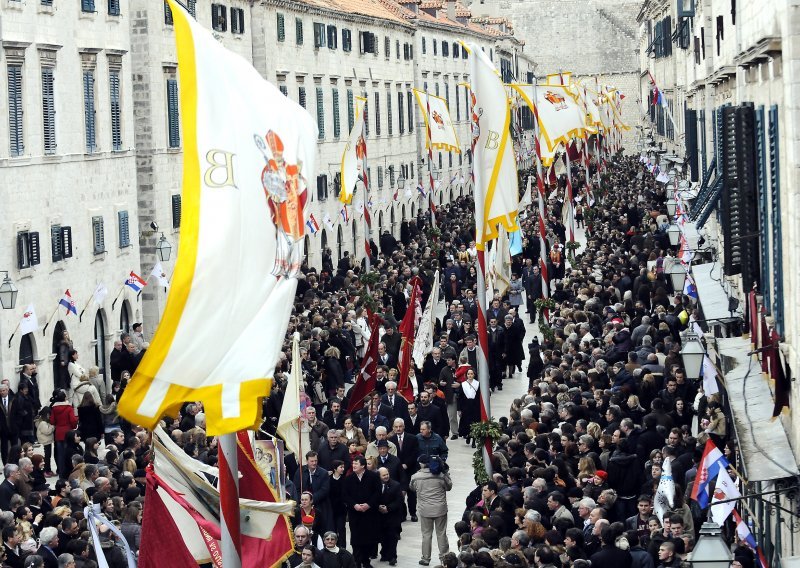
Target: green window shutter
(320, 114)
(48, 112)
(777, 232)
(176, 211)
(366, 114)
(281, 27)
(98, 233)
(89, 111)
(167, 14)
(15, 120)
(350, 110)
(410, 101)
(124, 230)
(298, 31)
(33, 248)
(116, 109)
(173, 114)
(389, 117)
(377, 114)
(56, 246)
(113, 7)
(400, 113)
(301, 96)
(337, 127)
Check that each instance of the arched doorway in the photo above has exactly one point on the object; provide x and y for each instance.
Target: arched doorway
(324, 240)
(355, 239)
(451, 194)
(339, 243)
(392, 221)
(60, 372)
(305, 245)
(100, 341)
(403, 213)
(27, 349)
(380, 222)
(125, 317)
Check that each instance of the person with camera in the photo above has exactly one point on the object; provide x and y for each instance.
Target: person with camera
(431, 484)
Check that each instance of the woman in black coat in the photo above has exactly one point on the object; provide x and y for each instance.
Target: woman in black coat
(23, 413)
(334, 374)
(90, 419)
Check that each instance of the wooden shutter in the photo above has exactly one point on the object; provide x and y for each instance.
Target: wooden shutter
(116, 117)
(192, 5)
(389, 117)
(33, 248)
(298, 31)
(17, 144)
(124, 232)
(319, 34)
(377, 113)
(301, 96)
(55, 243)
(173, 119)
(113, 7)
(281, 27)
(87, 5)
(98, 233)
(167, 14)
(320, 114)
(410, 101)
(22, 250)
(48, 112)
(350, 110)
(176, 211)
(332, 37)
(400, 113)
(89, 111)
(337, 127)
(66, 242)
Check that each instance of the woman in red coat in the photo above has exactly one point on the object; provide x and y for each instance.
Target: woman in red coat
(64, 419)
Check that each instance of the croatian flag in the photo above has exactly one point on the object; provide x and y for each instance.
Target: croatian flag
(747, 538)
(712, 463)
(135, 282)
(68, 303)
(344, 214)
(312, 224)
(421, 190)
(689, 288)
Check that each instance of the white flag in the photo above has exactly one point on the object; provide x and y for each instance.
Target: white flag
(99, 294)
(665, 494)
(724, 489)
(709, 377)
(328, 221)
(30, 322)
(291, 423)
(423, 342)
(160, 276)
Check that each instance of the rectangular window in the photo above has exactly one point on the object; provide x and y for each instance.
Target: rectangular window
(397, 48)
(173, 118)
(400, 113)
(319, 35)
(48, 112)
(98, 235)
(298, 31)
(337, 126)
(350, 110)
(176, 211)
(333, 37)
(424, 47)
(445, 49)
(435, 47)
(720, 32)
(281, 23)
(60, 242)
(301, 96)
(410, 105)
(28, 253)
(458, 105)
(320, 114)
(387, 47)
(389, 117)
(447, 92)
(167, 14)
(284, 90)
(237, 21)
(15, 121)
(113, 7)
(219, 17)
(347, 40)
(87, 5)
(116, 117)
(365, 110)
(322, 187)
(124, 229)
(380, 177)
(391, 176)
(368, 42)
(47, 2)
(377, 114)
(89, 111)
(455, 50)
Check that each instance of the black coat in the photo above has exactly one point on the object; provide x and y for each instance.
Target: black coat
(395, 467)
(327, 455)
(407, 455)
(364, 525)
(392, 498)
(320, 487)
(611, 557)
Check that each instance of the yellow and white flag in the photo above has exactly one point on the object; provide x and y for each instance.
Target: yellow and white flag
(561, 116)
(354, 155)
(495, 169)
(248, 153)
(442, 134)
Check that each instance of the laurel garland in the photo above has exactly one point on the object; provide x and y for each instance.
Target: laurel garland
(480, 432)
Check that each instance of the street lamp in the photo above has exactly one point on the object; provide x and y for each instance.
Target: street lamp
(693, 353)
(163, 248)
(674, 234)
(711, 550)
(672, 206)
(677, 275)
(401, 182)
(8, 293)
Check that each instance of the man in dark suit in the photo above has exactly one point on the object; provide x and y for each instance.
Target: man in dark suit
(390, 462)
(610, 555)
(8, 429)
(11, 545)
(433, 365)
(9, 486)
(317, 481)
(334, 417)
(391, 512)
(395, 401)
(331, 450)
(384, 357)
(361, 491)
(407, 453)
(414, 419)
(372, 421)
(48, 543)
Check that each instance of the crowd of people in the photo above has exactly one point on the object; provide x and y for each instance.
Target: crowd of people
(575, 470)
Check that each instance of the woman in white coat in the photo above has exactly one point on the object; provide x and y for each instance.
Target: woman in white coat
(79, 382)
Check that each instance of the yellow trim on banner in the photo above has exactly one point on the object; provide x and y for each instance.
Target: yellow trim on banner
(568, 136)
(345, 197)
(508, 220)
(424, 109)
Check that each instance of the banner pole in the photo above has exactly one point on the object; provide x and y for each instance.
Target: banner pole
(229, 502)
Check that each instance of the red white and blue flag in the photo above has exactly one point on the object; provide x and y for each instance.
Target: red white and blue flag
(713, 461)
(747, 538)
(690, 288)
(312, 225)
(68, 303)
(344, 214)
(421, 190)
(135, 282)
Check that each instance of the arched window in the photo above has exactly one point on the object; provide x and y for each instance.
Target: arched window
(380, 222)
(339, 243)
(324, 240)
(356, 246)
(60, 372)
(100, 342)
(125, 317)
(403, 213)
(27, 352)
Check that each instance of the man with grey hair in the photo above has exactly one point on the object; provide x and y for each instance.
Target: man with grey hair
(48, 544)
(380, 434)
(8, 488)
(585, 507)
(519, 540)
(66, 561)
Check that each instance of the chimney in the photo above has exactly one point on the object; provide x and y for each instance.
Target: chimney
(451, 10)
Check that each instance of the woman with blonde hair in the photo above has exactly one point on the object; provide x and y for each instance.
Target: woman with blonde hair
(594, 430)
(586, 470)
